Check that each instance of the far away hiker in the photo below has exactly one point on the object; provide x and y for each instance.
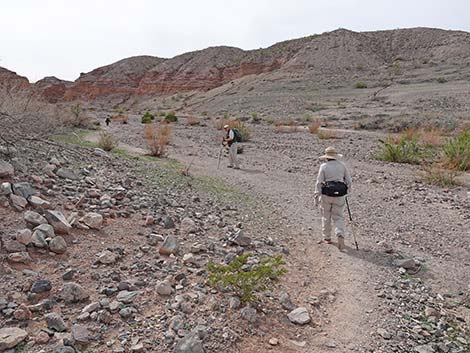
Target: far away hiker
(107, 121)
(231, 139)
(333, 184)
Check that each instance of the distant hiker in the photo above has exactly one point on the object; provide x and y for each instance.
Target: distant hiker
(231, 140)
(107, 121)
(332, 186)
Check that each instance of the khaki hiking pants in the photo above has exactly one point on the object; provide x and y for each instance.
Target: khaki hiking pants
(332, 209)
(232, 155)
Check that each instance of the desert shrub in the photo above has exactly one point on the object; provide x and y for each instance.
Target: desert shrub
(270, 120)
(402, 151)
(457, 151)
(147, 118)
(255, 118)
(314, 126)
(192, 120)
(306, 118)
(434, 175)
(106, 141)
(360, 84)
(157, 138)
(327, 134)
(246, 280)
(235, 124)
(171, 117)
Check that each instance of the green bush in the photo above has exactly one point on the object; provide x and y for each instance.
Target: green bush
(147, 118)
(244, 130)
(437, 176)
(171, 117)
(360, 84)
(457, 151)
(405, 151)
(245, 280)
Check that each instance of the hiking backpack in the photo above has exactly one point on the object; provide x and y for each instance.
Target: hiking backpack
(237, 136)
(334, 188)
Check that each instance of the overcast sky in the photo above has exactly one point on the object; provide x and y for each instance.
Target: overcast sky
(63, 38)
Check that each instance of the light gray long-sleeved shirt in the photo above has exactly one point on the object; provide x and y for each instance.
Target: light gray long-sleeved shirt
(332, 170)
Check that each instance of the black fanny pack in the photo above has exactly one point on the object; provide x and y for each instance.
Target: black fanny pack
(334, 188)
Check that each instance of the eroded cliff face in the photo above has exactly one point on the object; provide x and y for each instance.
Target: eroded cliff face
(340, 52)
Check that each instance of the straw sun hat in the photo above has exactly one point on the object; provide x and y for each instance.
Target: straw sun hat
(330, 153)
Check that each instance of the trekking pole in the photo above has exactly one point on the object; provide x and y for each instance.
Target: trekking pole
(220, 156)
(352, 223)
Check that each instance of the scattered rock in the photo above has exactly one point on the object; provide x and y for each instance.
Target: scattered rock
(66, 173)
(6, 169)
(93, 220)
(14, 246)
(58, 245)
(384, 333)
(24, 236)
(164, 288)
(127, 297)
(249, 314)
(273, 341)
(55, 322)
(189, 344)
(80, 334)
(18, 202)
(24, 190)
(286, 301)
(19, 257)
(407, 264)
(188, 226)
(167, 222)
(37, 202)
(57, 220)
(239, 238)
(73, 293)
(46, 229)
(169, 246)
(10, 337)
(107, 257)
(299, 316)
(34, 218)
(41, 286)
(38, 239)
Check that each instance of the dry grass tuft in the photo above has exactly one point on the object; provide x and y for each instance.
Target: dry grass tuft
(434, 175)
(158, 137)
(192, 121)
(314, 126)
(107, 141)
(327, 134)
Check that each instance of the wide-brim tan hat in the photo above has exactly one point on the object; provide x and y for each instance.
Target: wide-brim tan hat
(226, 126)
(330, 153)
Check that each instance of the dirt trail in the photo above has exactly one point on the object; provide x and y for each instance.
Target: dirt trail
(342, 280)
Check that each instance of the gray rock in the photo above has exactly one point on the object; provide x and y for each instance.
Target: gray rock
(18, 202)
(127, 312)
(170, 246)
(24, 236)
(38, 239)
(426, 348)
(91, 307)
(46, 229)
(286, 302)
(34, 218)
(164, 288)
(299, 316)
(73, 293)
(407, 264)
(64, 349)
(127, 297)
(67, 173)
(58, 245)
(234, 303)
(168, 222)
(384, 333)
(41, 286)
(37, 202)
(55, 322)
(5, 189)
(14, 246)
(239, 238)
(10, 337)
(189, 344)
(107, 257)
(57, 220)
(188, 226)
(6, 169)
(81, 334)
(93, 220)
(24, 190)
(19, 257)
(249, 314)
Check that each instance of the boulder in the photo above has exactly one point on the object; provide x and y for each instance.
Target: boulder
(164, 288)
(189, 344)
(5, 189)
(19, 257)
(39, 240)
(58, 245)
(46, 229)
(6, 169)
(93, 220)
(81, 334)
(67, 173)
(14, 246)
(18, 202)
(240, 239)
(10, 337)
(127, 297)
(57, 220)
(41, 286)
(37, 202)
(407, 264)
(107, 257)
(73, 293)
(249, 314)
(188, 226)
(34, 218)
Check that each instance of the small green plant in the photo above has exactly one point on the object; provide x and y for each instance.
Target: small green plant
(171, 117)
(360, 84)
(255, 118)
(107, 141)
(457, 151)
(405, 151)
(147, 118)
(245, 280)
(441, 177)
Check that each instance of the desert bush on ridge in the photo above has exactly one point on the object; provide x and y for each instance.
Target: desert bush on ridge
(106, 141)
(147, 118)
(403, 151)
(157, 138)
(171, 117)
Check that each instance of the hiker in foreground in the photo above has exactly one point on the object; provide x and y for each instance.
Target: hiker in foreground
(231, 140)
(332, 186)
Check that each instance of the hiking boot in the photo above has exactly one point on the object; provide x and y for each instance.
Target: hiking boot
(236, 167)
(230, 166)
(341, 245)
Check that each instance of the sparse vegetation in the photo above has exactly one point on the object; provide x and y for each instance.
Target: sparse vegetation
(314, 126)
(171, 117)
(434, 175)
(107, 141)
(234, 124)
(457, 151)
(245, 279)
(327, 134)
(255, 118)
(403, 151)
(441, 80)
(360, 84)
(192, 121)
(157, 138)
(147, 118)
